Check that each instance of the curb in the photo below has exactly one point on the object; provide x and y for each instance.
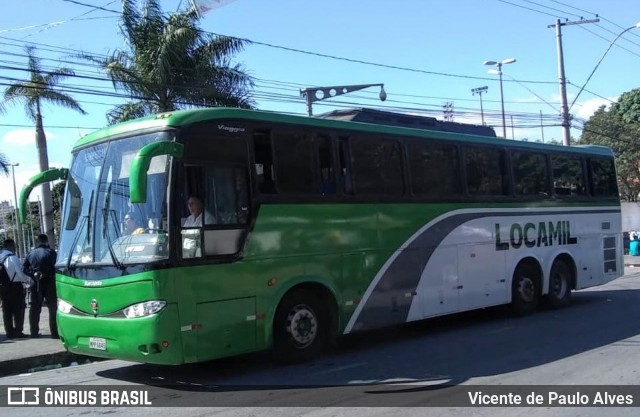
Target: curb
(41, 363)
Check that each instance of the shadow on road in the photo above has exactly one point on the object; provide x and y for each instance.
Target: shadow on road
(423, 356)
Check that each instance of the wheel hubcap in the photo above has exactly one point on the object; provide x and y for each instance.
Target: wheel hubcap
(526, 289)
(303, 325)
(559, 287)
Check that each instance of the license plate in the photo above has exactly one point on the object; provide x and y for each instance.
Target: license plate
(97, 343)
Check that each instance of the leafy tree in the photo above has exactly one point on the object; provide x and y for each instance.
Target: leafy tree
(4, 163)
(32, 226)
(10, 223)
(619, 128)
(172, 64)
(57, 194)
(39, 89)
(628, 106)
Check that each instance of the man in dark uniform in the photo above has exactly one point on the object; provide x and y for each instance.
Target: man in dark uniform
(13, 294)
(40, 265)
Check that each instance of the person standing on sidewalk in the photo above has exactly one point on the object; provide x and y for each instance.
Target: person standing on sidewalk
(13, 295)
(40, 265)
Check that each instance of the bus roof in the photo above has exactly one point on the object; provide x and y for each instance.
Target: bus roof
(180, 118)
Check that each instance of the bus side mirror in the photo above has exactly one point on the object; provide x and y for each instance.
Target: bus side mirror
(140, 166)
(41, 178)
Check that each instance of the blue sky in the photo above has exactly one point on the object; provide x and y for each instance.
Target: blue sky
(436, 47)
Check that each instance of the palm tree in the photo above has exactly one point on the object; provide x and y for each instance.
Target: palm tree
(172, 64)
(39, 89)
(4, 164)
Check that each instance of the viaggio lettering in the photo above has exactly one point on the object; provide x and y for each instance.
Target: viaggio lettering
(538, 234)
(230, 129)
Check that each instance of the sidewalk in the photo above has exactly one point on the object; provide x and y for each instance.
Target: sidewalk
(28, 355)
(632, 261)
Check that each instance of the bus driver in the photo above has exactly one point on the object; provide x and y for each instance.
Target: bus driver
(191, 238)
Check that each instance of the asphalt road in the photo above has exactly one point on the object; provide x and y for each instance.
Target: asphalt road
(440, 362)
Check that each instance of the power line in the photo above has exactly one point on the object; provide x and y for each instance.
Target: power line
(580, 16)
(528, 8)
(591, 92)
(92, 6)
(284, 97)
(104, 79)
(551, 8)
(76, 18)
(609, 41)
(594, 14)
(334, 57)
(335, 103)
(286, 85)
(53, 127)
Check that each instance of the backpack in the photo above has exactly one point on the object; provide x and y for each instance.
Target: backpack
(5, 280)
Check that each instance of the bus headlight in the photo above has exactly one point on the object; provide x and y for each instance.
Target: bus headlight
(144, 309)
(63, 306)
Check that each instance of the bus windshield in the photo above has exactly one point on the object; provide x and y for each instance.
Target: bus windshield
(100, 225)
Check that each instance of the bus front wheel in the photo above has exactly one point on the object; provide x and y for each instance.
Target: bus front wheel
(301, 327)
(524, 290)
(559, 285)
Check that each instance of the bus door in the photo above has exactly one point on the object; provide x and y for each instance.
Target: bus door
(213, 211)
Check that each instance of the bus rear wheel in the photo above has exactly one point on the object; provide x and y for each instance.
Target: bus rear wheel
(301, 327)
(524, 290)
(559, 285)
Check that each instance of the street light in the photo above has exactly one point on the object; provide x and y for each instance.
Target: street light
(479, 91)
(19, 237)
(499, 64)
(311, 94)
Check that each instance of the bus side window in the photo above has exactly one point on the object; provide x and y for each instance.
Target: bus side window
(226, 191)
(344, 153)
(295, 162)
(486, 171)
(264, 163)
(327, 173)
(377, 163)
(434, 169)
(568, 176)
(530, 174)
(602, 175)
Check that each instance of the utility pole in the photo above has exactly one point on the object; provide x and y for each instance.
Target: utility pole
(513, 135)
(447, 110)
(479, 92)
(541, 127)
(564, 109)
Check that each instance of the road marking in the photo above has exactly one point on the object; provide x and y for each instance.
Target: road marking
(436, 380)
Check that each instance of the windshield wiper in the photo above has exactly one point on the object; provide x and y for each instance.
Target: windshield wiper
(107, 235)
(75, 242)
(105, 229)
(86, 219)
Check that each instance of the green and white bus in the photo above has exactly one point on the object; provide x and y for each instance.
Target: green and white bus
(315, 228)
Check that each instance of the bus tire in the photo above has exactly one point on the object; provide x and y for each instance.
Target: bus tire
(560, 279)
(300, 327)
(524, 290)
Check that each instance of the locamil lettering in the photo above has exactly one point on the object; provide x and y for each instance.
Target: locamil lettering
(538, 234)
